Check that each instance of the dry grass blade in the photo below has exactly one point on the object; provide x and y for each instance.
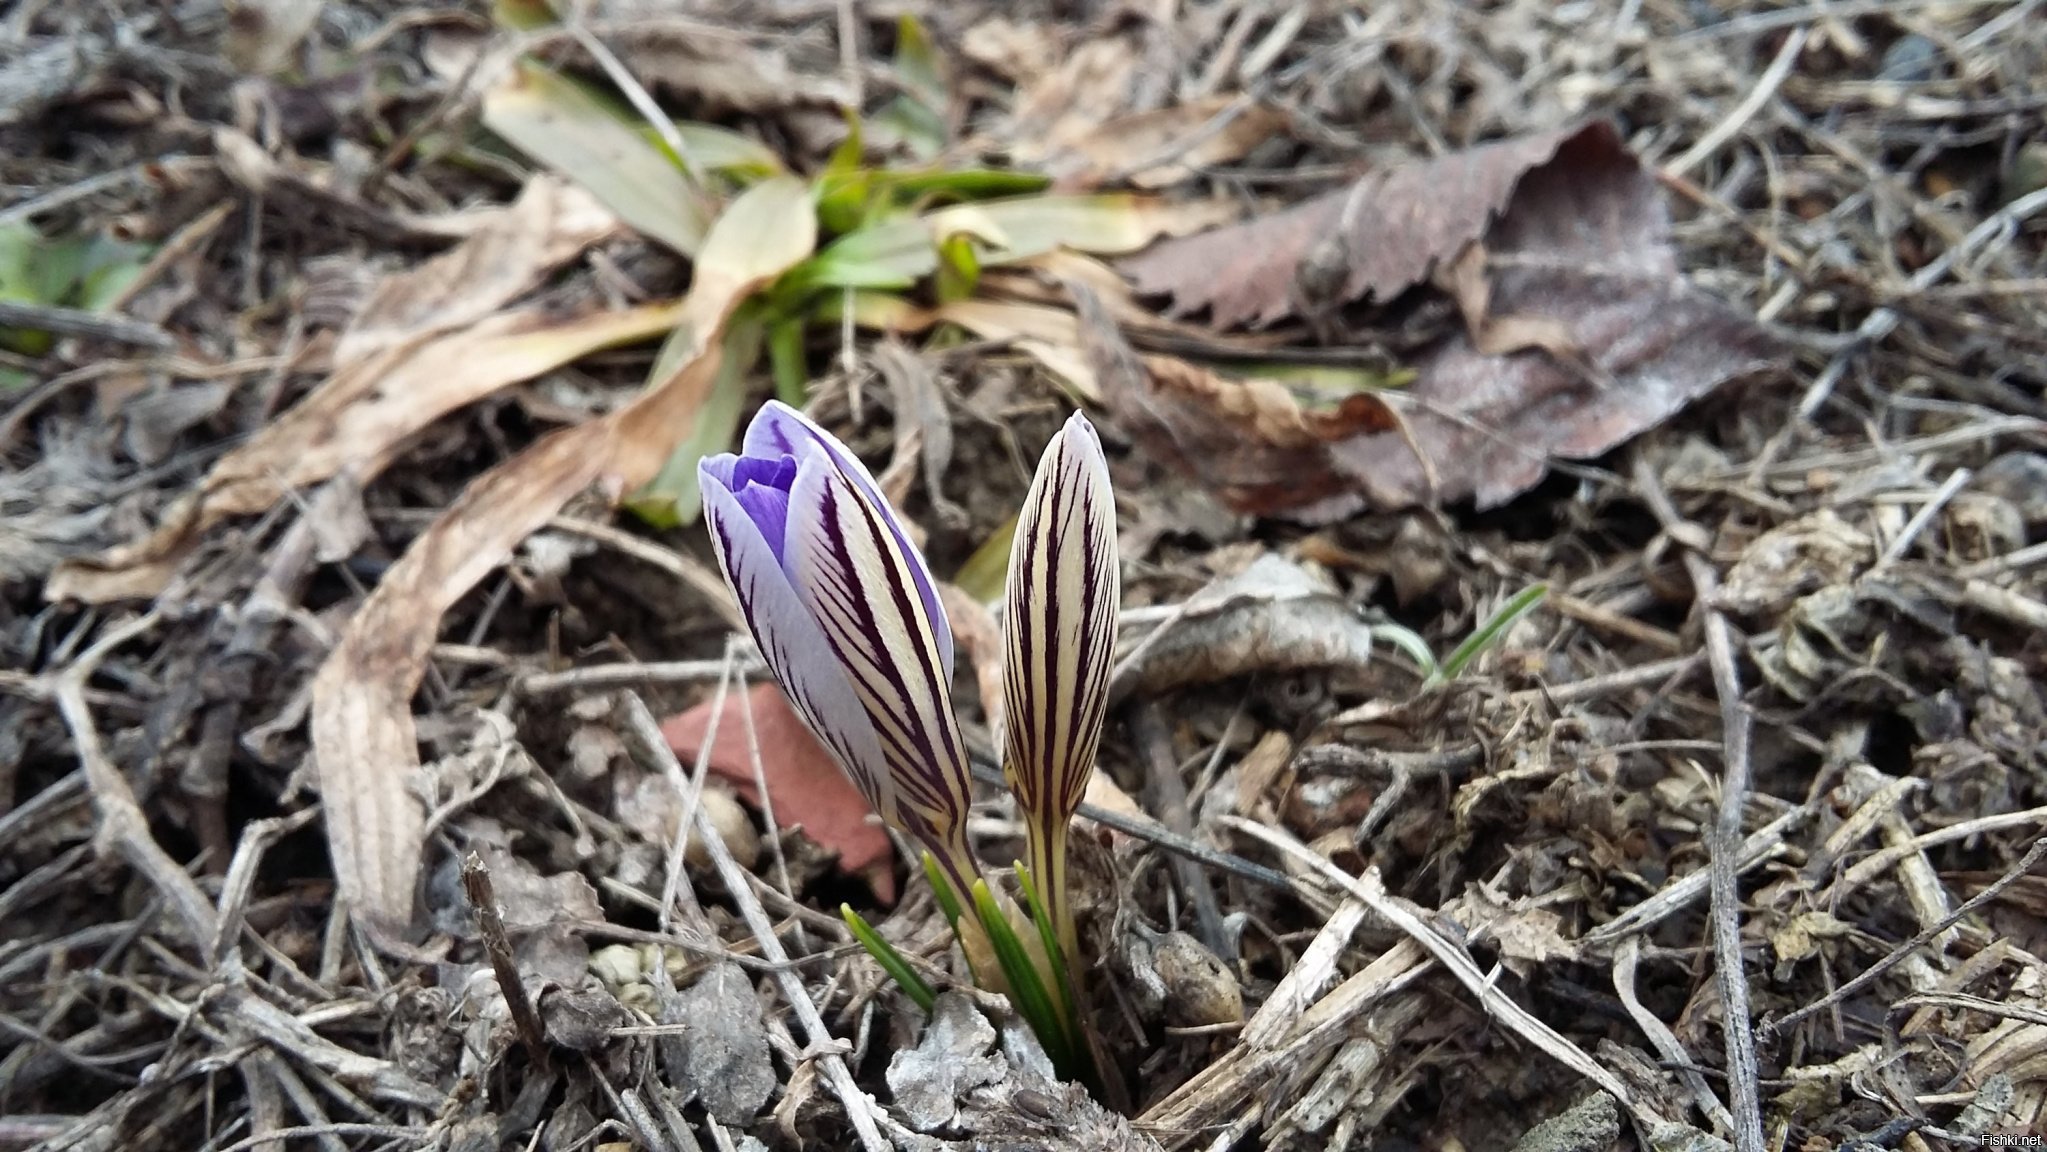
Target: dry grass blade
(1371, 892)
(364, 736)
(356, 422)
(1745, 1095)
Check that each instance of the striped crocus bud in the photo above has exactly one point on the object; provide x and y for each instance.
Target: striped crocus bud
(1061, 622)
(847, 617)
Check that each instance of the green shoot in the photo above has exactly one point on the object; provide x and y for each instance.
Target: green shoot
(891, 961)
(1488, 634)
(1027, 991)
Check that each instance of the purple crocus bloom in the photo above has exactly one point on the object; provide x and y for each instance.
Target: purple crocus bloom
(844, 611)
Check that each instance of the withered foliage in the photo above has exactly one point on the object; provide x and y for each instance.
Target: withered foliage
(318, 620)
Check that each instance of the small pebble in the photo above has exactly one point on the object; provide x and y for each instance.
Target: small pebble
(1911, 59)
(2021, 478)
(1200, 989)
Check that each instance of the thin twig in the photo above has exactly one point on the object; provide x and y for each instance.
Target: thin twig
(496, 945)
(1660, 1036)
(122, 823)
(78, 322)
(1917, 525)
(856, 1103)
(1370, 891)
(987, 771)
(1881, 321)
(1681, 892)
(1166, 792)
(1725, 841)
(1741, 114)
(1897, 955)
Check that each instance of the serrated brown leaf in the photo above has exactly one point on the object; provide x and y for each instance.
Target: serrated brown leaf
(1581, 332)
(1397, 225)
(1583, 251)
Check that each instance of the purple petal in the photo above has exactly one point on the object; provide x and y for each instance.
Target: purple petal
(851, 569)
(791, 643)
(778, 472)
(768, 508)
(781, 430)
(761, 487)
(718, 469)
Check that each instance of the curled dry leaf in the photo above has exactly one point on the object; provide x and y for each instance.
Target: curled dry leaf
(364, 742)
(1794, 560)
(1273, 616)
(1579, 264)
(1249, 440)
(403, 379)
(551, 223)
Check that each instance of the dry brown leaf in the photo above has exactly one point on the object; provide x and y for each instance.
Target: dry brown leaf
(1396, 225)
(1584, 245)
(550, 223)
(1273, 616)
(1066, 104)
(1164, 146)
(364, 742)
(1247, 440)
(1579, 265)
(355, 421)
(1250, 442)
(1466, 278)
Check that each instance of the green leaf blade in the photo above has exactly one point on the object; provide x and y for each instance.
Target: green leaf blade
(891, 961)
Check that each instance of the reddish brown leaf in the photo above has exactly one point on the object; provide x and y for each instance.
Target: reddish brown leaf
(1247, 440)
(1586, 333)
(1584, 246)
(805, 784)
(1400, 223)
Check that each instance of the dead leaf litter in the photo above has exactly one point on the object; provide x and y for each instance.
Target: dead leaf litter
(350, 354)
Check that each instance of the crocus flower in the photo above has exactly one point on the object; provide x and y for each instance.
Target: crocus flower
(846, 615)
(1061, 622)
